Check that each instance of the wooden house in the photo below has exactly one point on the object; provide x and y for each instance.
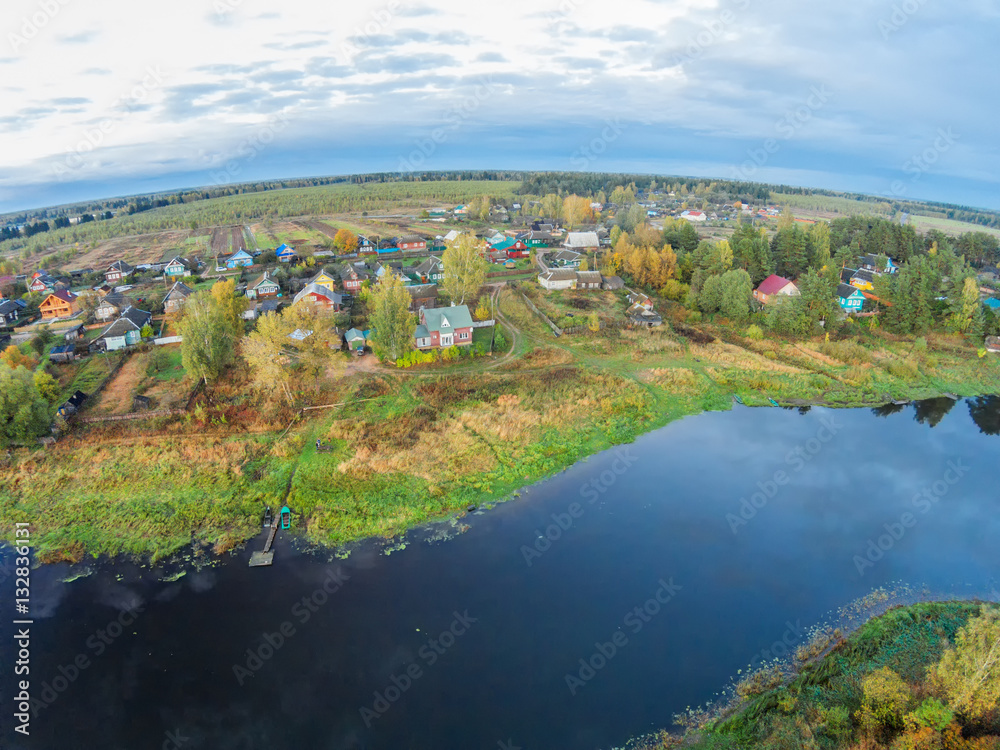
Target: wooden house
(850, 297)
(239, 259)
(111, 306)
(125, 331)
(263, 287)
(775, 286)
(177, 267)
(9, 312)
(321, 295)
(285, 253)
(176, 297)
(61, 304)
(117, 272)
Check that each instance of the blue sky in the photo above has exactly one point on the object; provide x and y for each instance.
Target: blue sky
(893, 97)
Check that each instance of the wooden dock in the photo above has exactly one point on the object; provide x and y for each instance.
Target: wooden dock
(266, 557)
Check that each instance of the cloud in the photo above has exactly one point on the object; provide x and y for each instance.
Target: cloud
(82, 37)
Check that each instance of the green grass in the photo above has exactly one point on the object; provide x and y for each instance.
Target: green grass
(173, 369)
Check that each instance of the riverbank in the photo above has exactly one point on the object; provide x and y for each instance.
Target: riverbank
(420, 445)
(878, 686)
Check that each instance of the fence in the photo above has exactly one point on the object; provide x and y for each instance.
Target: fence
(483, 323)
(602, 325)
(168, 340)
(133, 415)
(555, 329)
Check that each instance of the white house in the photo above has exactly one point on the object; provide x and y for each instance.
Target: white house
(696, 216)
(558, 279)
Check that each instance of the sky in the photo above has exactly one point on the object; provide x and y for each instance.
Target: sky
(889, 97)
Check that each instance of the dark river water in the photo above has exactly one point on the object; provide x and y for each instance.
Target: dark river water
(587, 611)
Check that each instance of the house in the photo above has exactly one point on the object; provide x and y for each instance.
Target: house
(239, 259)
(64, 353)
(178, 266)
(695, 216)
(262, 308)
(118, 271)
(431, 270)
(380, 269)
(443, 327)
(850, 297)
(453, 235)
(74, 333)
(513, 248)
(356, 340)
(775, 286)
(61, 304)
(367, 246)
(422, 295)
(870, 263)
(863, 280)
(9, 312)
(41, 281)
(640, 299)
(612, 283)
(846, 274)
(321, 295)
(263, 287)
(461, 211)
(72, 404)
(324, 278)
(285, 253)
(567, 259)
(533, 238)
(411, 243)
(176, 297)
(993, 344)
(558, 278)
(582, 241)
(111, 306)
(353, 276)
(589, 279)
(125, 331)
(640, 315)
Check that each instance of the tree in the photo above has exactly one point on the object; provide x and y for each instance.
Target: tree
(464, 268)
(147, 331)
(551, 206)
(23, 412)
(229, 306)
(584, 265)
(208, 343)
(14, 357)
(969, 672)
(576, 210)
(314, 353)
(40, 343)
(47, 386)
(966, 314)
(392, 323)
(264, 352)
(736, 293)
(346, 240)
(885, 698)
(593, 322)
(483, 311)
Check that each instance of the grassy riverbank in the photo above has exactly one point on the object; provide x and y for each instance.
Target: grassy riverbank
(880, 687)
(417, 445)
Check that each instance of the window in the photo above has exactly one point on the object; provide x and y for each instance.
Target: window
(463, 335)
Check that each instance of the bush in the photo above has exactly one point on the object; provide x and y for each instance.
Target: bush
(848, 352)
(754, 333)
(931, 713)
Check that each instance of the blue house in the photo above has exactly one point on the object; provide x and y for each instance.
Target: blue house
(851, 298)
(285, 253)
(239, 259)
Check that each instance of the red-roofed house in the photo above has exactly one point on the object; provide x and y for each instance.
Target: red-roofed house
(775, 286)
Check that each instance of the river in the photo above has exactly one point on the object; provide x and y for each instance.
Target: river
(586, 611)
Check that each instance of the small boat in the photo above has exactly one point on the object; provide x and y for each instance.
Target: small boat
(286, 517)
(268, 517)
(738, 400)
(773, 402)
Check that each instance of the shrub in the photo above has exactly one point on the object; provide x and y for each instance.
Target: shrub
(886, 697)
(754, 333)
(931, 713)
(848, 352)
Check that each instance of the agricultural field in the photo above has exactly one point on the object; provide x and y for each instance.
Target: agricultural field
(948, 226)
